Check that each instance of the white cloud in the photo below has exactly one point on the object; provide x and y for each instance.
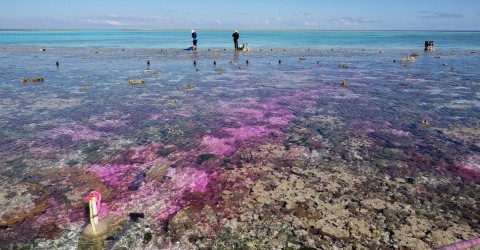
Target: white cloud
(111, 22)
(167, 10)
(264, 22)
(95, 21)
(435, 15)
(310, 23)
(243, 13)
(351, 21)
(127, 20)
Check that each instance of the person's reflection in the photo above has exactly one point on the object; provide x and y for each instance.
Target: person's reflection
(235, 57)
(194, 57)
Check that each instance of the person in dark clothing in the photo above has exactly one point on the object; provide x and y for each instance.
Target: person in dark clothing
(194, 39)
(235, 39)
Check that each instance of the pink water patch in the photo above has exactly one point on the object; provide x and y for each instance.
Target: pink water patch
(160, 198)
(185, 181)
(144, 153)
(169, 211)
(115, 123)
(247, 132)
(52, 206)
(472, 163)
(298, 96)
(270, 105)
(280, 120)
(156, 117)
(226, 146)
(116, 176)
(270, 111)
(77, 132)
(61, 214)
(247, 113)
(218, 146)
(332, 89)
(119, 176)
(190, 180)
(43, 150)
(253, 116)
(397, 132)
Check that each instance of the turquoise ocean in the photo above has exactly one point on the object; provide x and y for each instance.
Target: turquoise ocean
(256, 39)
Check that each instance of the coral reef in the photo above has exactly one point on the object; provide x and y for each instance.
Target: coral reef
(270, 206)
(208, 158)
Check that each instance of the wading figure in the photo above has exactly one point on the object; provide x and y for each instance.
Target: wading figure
(235, 39)
(194, 39)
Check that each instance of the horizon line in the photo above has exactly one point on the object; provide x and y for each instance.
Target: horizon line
(225, 29)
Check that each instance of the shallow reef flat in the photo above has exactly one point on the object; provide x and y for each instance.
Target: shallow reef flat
(216, 149)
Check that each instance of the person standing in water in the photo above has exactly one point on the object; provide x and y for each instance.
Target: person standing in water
(235, 39)
(194, 39)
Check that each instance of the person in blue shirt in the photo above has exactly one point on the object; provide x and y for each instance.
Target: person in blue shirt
(194, 39)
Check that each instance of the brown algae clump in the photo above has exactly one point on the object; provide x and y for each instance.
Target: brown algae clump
(157, 172)
(136, 82)
(188, 86)
(424, 122)
(34, 79)
(21, 201)
(37, 79)
(408, 59)
(73, 183)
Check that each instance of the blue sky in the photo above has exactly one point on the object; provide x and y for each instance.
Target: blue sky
(242, 14)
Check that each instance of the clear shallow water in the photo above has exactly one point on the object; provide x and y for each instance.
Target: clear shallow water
(84, 121)
(256, 39)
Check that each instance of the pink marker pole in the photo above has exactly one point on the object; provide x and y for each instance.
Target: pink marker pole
(462, 245)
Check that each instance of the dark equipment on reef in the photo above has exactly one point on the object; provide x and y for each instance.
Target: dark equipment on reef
(138, 180)
(429, 46)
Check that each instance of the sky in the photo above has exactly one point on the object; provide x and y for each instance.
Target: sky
(242, 14)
